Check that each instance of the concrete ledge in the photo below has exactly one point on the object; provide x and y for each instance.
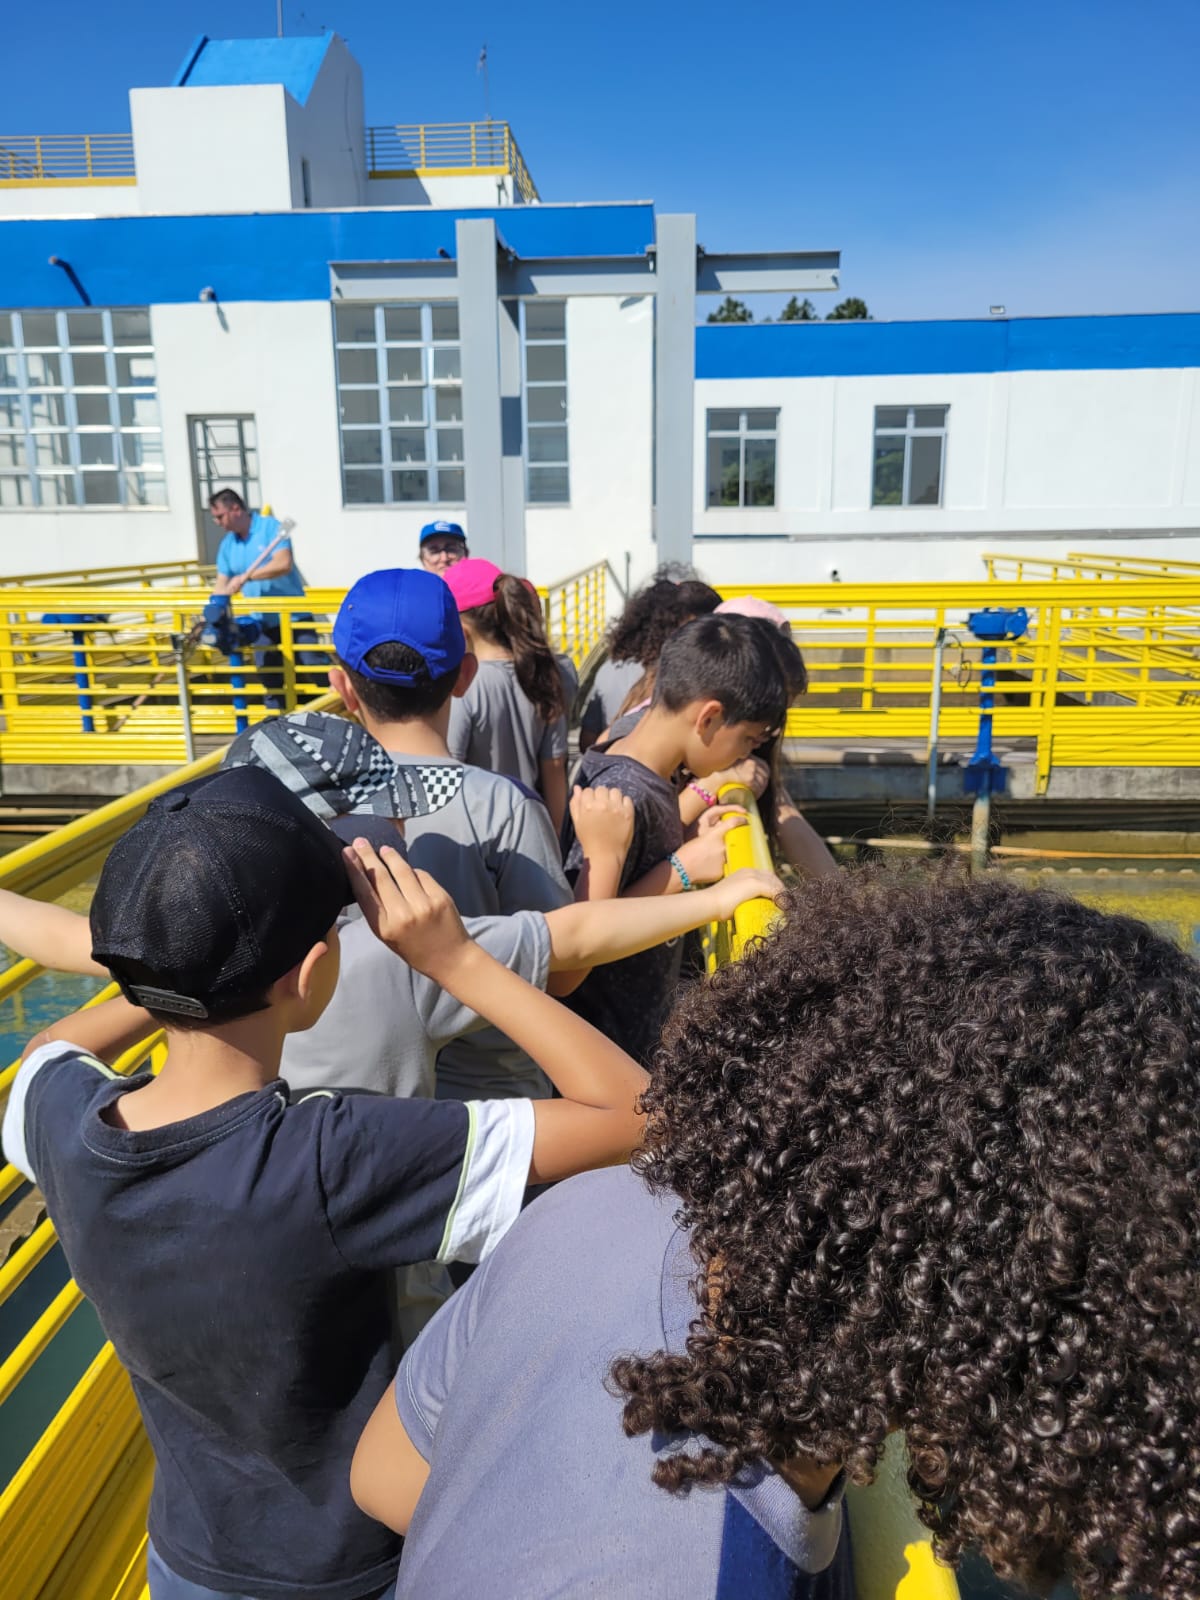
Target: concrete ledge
(98, 779)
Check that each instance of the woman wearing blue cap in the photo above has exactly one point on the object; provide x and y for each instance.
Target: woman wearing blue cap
(442, 544)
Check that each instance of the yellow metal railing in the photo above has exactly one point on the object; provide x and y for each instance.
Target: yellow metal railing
(447, 150)
(38, 160)
(577, 610)
(1016, 566)
(145, 573)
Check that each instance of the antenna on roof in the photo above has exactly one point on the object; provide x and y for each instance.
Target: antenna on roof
(482, 66)
(279, 19)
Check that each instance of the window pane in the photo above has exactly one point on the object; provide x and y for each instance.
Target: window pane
(146, 488)
(85, 327)
(724, 421)
(92, 411)
(450, 485)
(39, 330)
(134, 372)
(888, 481)
(546, 405)
(410, 486)
(925, 472)
(6, 334)
(546, 363)
(54, 449)
(402, 322)
(723, 484)
(545, 319)
(444, 321)
(8, 372)
(58, 490)
(447, 404)
(404, 366)
(12, 451)
(354, 324)
(45, 372)
(760, 472)
(364, 488)
(101, 489)
(89, 371)
(547, 444)
(447, 363)
(10, 411)
(131, 327)
(47, 411)
(357, 366)
(359, 405)
(144, 450)
(15, 491)
(137, 410)
(762, 421)
(449, 444)
(548, 485)
(362, 447)
(406, 405)
(891, 416)
(929, 417)
(96, 449)
(408, 444)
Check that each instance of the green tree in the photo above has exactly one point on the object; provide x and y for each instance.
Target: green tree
(731, 310)
(798, 311)
(851, 310)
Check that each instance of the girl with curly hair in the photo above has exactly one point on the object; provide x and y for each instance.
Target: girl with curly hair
(928, 1160)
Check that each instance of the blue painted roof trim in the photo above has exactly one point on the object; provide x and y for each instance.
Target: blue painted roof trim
(1023, 344)
(124, 261)
(293, 62)
(189, 61)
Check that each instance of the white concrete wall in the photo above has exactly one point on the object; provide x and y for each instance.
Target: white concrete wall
(211, 150)
(1088, 457)
(327, 132)
(610, 372)
(71, 200)
(480, 189)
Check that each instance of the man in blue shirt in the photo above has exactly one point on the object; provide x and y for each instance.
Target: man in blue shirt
(248, 535)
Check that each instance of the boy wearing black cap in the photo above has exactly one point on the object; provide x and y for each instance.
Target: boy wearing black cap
(234, 1241)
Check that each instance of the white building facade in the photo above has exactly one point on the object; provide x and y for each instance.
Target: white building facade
(375, 327)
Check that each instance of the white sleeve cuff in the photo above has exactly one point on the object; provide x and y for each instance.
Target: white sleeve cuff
(494, 1178)
(15, 1143)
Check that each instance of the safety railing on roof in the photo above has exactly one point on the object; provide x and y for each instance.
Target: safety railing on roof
(41, 160)
(448, 150)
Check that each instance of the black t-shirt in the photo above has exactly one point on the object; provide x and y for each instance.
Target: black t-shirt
(628, 1000)
(236, 1262)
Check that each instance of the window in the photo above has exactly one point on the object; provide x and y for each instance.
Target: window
(400, 398)
(741, 457)
(544, 361)
(910, 455)
(79, 420)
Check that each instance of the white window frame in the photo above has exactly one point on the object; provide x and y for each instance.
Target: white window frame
(72, 471)
(743, 433)
(528, 427)
(429, 425)
(908, 433)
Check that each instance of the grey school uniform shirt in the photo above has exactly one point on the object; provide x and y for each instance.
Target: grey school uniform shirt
(493, 849)
(612, 683)
(494, 725)
(534, 1489)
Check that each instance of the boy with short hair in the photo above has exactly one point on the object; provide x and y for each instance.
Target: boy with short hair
(719, 692)
(235, 1241)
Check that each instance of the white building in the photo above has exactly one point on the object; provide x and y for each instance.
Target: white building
(373, 327)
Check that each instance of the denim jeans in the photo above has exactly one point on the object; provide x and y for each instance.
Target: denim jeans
(168, 1585)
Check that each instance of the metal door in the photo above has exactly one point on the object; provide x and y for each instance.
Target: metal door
(224, 456)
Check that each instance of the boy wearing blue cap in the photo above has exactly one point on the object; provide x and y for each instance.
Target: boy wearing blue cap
(235, 1240)
(442, 545)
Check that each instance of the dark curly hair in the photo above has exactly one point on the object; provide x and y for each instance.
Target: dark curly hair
(652, 615)
(938, 1146)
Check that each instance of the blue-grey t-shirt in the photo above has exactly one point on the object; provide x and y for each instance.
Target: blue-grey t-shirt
(534, 1488)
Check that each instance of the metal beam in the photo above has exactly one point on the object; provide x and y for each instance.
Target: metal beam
(578, 276)
(674, 371)
(478, 333)
(512, 443)
(770, 271)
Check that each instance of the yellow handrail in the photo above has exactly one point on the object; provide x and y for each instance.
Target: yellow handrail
(447, 149)
(37, 160)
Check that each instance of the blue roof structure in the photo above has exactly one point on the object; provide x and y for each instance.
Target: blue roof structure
(294, 63)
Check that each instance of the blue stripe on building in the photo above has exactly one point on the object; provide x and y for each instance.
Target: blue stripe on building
(871, 349)
(138, 261)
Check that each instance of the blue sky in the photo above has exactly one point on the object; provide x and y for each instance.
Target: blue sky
(1041, 154)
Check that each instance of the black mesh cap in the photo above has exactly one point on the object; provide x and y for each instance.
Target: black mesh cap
(222, 887)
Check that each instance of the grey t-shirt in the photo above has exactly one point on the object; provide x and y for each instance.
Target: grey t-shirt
(534, 1489)
(496, 726)
(628, 1000)
(493, 848)
(612, 683)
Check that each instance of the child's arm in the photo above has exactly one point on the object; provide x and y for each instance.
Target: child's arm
(702, 858)
(50, 935)
(802, 845)
(597, 1121)
(105, 1031)
(603, 822)
(552, 781)
(754, 773)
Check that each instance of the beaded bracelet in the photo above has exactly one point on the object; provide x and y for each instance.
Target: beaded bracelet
(682, 871)
(709, 799)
